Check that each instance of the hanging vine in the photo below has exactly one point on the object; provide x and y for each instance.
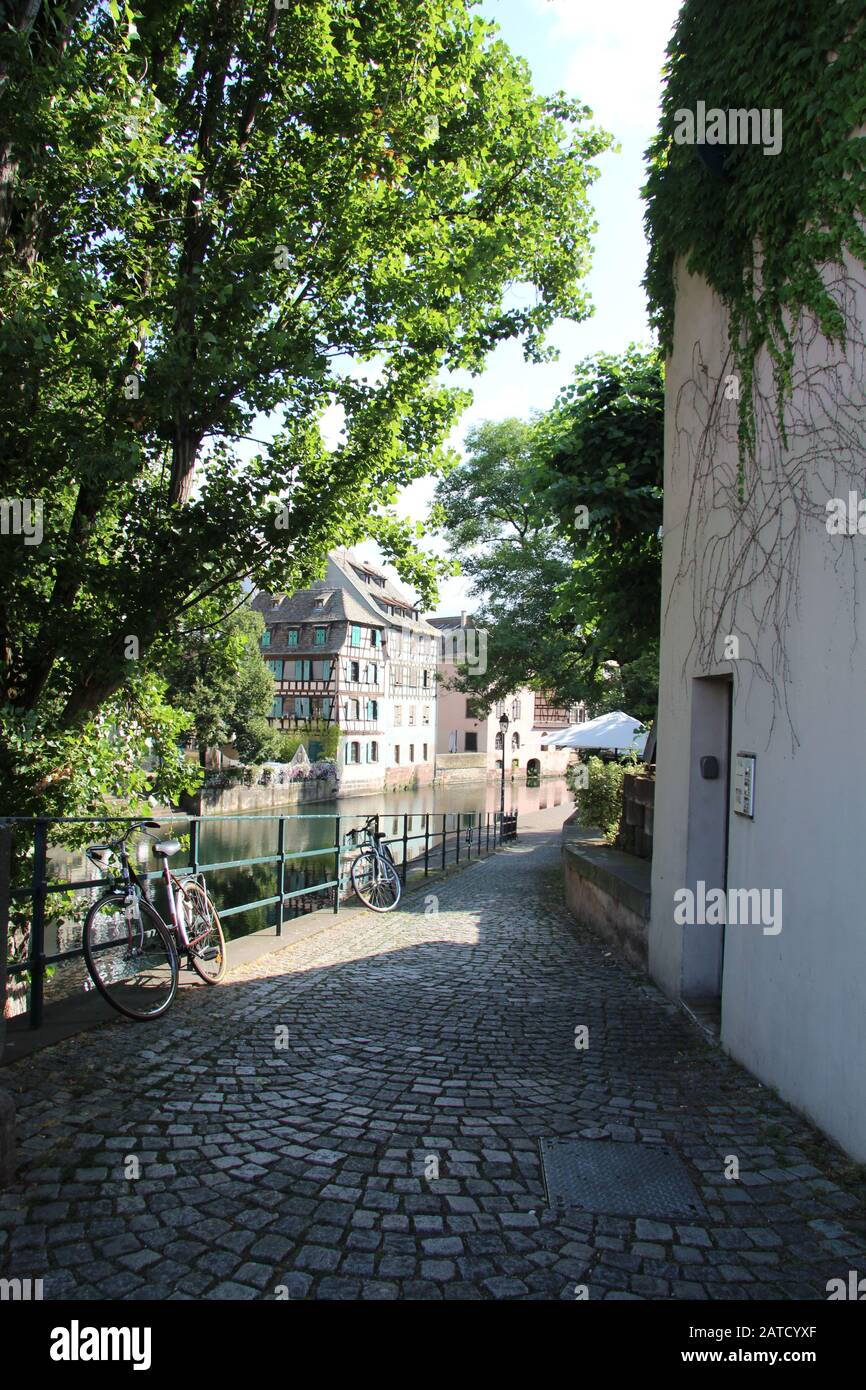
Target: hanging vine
(760, 227)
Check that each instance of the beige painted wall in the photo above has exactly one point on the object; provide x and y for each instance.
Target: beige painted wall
(793, 1003)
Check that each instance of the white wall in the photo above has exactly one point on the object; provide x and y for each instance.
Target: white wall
(793, 1004)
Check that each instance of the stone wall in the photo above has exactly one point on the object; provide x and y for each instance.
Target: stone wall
(225, 800)
(607, 891)
(636, 825)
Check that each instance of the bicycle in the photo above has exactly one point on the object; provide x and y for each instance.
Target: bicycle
(374, 873)
(132, 954)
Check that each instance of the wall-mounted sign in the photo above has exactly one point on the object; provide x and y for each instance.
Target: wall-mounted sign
(744, 785)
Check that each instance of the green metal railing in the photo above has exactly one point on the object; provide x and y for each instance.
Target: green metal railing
(486, 830)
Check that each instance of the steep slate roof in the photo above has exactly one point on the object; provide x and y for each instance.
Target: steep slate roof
(378, 594)
(304, 607)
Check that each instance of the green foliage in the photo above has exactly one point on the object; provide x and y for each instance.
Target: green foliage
(761, 234)
(326, 736)
(216, 672)
(599, 804)
(117, 760)
(556, 524)
(210, 215)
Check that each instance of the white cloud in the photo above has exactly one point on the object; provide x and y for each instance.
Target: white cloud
(618, 54)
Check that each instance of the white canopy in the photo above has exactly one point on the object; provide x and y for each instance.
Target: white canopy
(615, 730)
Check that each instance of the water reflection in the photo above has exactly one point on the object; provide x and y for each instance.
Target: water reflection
(311, 835)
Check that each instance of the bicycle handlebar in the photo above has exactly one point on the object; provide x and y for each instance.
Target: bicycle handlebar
(147, 825)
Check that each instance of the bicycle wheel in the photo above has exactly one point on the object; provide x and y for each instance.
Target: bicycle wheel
(376, 881)
(207, 944)
(134, 966)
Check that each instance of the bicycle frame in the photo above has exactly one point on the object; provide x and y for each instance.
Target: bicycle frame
(130, 882)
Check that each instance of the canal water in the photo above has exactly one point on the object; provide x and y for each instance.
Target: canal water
(254, 835)
(251, 835)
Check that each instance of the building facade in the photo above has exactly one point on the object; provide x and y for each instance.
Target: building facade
(466, 739)
(760, 816)
(353, 652)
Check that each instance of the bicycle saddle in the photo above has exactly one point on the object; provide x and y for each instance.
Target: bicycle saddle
(166, 848)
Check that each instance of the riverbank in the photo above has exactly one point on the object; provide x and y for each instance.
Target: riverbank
(238, 798)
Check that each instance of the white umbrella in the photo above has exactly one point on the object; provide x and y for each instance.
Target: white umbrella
(615, 730)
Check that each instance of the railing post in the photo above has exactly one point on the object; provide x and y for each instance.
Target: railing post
(5, 900)
(426, 843)
(457, 837)
(444, 835)
(337, 876)
(487, 822)
(405, 846)
(193, 846)
(281, 872)
(36, 962)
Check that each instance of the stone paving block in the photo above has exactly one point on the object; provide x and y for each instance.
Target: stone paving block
(414, 1036)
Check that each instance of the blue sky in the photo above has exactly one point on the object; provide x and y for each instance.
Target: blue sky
(609, 57)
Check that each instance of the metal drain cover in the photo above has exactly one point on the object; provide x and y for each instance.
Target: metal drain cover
(614, 1179)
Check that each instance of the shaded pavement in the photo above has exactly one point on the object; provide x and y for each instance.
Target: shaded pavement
(359, 1116)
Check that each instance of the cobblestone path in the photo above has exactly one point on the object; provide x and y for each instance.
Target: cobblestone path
(441, 1035)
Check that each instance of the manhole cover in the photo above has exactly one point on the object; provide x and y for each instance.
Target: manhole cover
(614, 1179)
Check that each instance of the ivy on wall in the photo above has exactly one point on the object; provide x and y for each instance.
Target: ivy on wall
(760, 227)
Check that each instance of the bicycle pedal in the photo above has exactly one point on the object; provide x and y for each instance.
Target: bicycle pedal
(209, 953)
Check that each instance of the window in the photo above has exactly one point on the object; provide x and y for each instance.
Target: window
(515, 709)
(353, 752)
(396, 752)
(375, 637)
(411, 715)
(320, 636)
(515, 740)
(425, 752)
(354, 671)
(276, 670)
(326, 710)
(292, 637)
(277, 707)
(352, 708)
(266, 637)
(472, 743)
(424, 681)
(398, 716)
(374, 673)
(372, 752)
(470, 709)
(425, 714)
(321, 670)
(397, 675)
(355, 635)
(372, 709)
(411, 752)
(303, 669)
(498, 743)
(302, 706)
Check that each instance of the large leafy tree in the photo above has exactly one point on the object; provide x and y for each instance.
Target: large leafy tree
(219, 676)
(556, 523)
(213, 211)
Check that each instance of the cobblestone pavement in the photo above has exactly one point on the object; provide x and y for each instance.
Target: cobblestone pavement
(420, 1038)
